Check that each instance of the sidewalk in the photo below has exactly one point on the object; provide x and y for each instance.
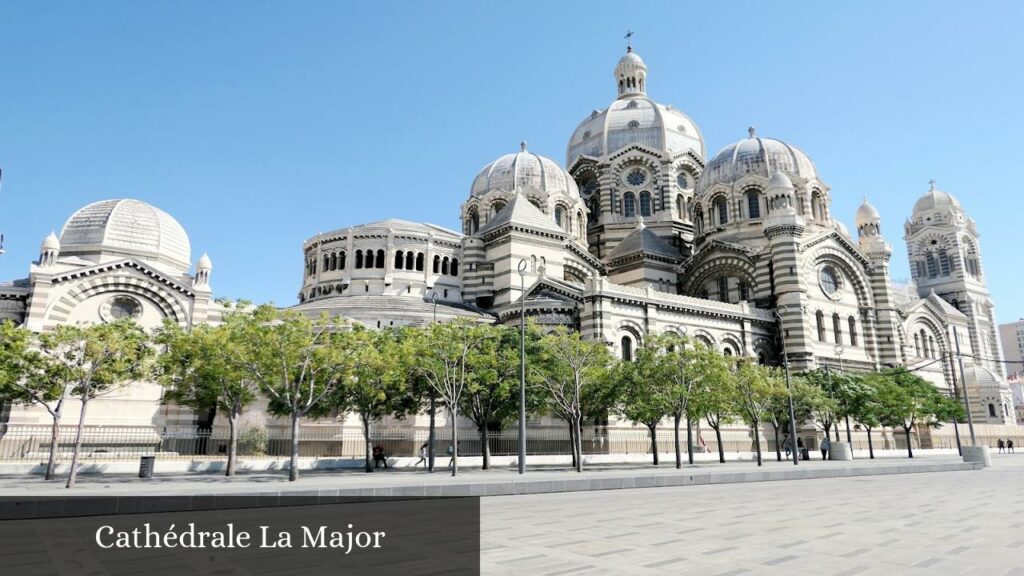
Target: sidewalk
(330, 485)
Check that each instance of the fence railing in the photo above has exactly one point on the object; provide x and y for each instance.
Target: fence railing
(21, 443)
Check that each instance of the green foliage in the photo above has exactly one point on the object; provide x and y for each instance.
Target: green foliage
(905, 400)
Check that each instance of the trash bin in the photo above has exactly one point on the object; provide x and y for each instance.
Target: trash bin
(805, 454)
(146, 464)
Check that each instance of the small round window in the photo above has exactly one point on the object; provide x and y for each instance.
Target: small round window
(681, 181)
(830, 281)
(124, 307)
(636, 177)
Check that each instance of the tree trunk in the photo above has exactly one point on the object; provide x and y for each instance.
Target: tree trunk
(579, 445)
(51, 459)
(778, 449)
(455, 441)
(689, 440)
(432, 434)
(73, 474)
(871, 449)
(293, 467)
(368, 452)
(849, 438)
(232, 442)
(485, 448)
(828, 432)
(757, 441)
(679, 448)
(572, 442)
(654, 442)
(910, 450)
(718, 437)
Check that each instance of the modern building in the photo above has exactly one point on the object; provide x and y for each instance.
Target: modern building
(640, 233)
(1011, 338)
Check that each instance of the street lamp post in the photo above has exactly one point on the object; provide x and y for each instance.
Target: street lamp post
(839, 353)
(963, 381)
(785, 361)
(522, 366)
(433, 406)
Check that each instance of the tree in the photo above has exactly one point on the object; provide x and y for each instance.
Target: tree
(381, 383)
(778, 409)
(712, 396)
(906, 400)
(823, 404)
(492, 396)
(868, 411)
(297, 363)
(446, 355)
(573, 374)
(645, 390)
(670, 362)
(24, 379)
(203, 368)
(87, 361)
(756, 389)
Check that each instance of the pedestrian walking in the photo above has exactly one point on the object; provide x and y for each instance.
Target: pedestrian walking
(423, 456)
(826, 445)
(451, 456)
(787, 445)
(1000, 445)
(1009, 446)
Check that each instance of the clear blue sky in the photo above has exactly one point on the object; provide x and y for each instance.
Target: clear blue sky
(258, 124)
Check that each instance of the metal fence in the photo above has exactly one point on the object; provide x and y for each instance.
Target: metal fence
(32, 443)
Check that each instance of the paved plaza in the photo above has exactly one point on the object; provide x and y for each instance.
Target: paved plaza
(933, 523)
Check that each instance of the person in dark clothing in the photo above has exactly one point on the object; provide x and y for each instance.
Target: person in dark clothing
(378, 457)
(1009, 446)
(826, 445)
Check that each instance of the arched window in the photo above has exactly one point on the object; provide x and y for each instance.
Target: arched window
(762, 359)
(753, 204)
(944, 267)
(853, 330)
(409, 260)
(933, 266)
(474, 221)
(455, 267)
(327, 262)
(444, 265)
(645, 203)
(817, 206)
(359, 259)
(399, 260)
(931, 347)
(727, 351)
(721, 210)
(380, 258)
(419, 262)
(581, 227)
(497, 206)
(698, 218)
(820, 317)
(837, 329)
(723, 288)
(991, 410)
(680, 208)
(341, 261)
(627, 349)
(744, 291)
(437, 264)
(917, 345)
(558, 217)
(628, 204)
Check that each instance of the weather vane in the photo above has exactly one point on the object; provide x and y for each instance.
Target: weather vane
(629, 43)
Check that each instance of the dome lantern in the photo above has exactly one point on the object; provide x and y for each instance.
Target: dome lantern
(631, 75)
(868, 220)
(49, 250)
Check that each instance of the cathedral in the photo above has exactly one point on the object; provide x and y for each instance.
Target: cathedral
(639, 233)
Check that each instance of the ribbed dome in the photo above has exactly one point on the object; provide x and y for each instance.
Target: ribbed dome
(50, 243)
(129, 227)
(634, 119)
(204, 262)
(935, 200)
(526, 173)
(866, 214)
(757, 156)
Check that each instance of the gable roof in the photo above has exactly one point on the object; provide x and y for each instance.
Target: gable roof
(521, 212)
(643, 240)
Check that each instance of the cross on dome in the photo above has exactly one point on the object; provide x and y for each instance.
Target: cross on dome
(931, 185)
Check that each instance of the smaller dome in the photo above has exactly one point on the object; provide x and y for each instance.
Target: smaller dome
(756, 156)
(935, 200)
(50, 243)
(780, 182)
(866, 214)
(204, 262)
(526, 173)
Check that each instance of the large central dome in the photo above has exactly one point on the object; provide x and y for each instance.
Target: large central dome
(634, 119)
(126, 227)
